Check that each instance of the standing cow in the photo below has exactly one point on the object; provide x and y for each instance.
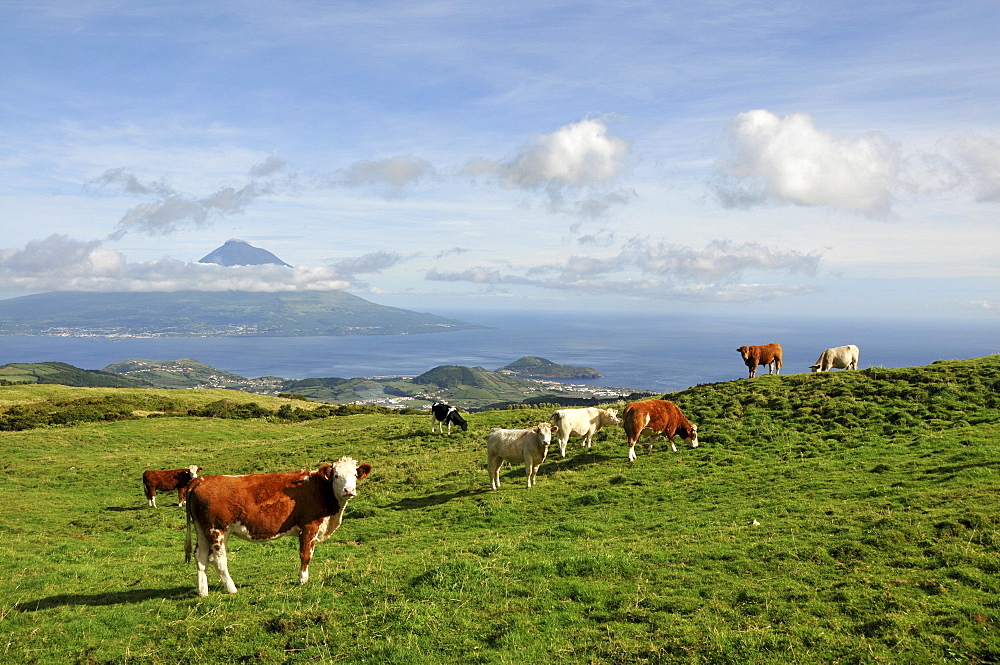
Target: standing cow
(444, 413)
(265, 506)
(530, 446)
(659, 417)
(155, 480)
(582, 422)
(839, 357)
(768, 354)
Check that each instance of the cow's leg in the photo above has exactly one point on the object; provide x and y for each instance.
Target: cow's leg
(631, 451)
(449, 428)
(493, 465)
(589, 439)
(217, 537)
(307, 543)
(152, 499)
(201, 554)
(562, 445)
(672, 446)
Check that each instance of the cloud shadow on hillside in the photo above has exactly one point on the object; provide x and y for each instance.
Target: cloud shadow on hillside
(102, 599)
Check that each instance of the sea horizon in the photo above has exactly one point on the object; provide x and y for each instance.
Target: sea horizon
(643, 351)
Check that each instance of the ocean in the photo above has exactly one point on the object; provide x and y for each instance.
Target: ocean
(659, 353)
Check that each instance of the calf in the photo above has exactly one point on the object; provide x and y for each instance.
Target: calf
(659, 417)
(768, 354)
(443, 413)
(168, 481)
(839, 357)
(530, 446)
(265, 506)
(582, 422)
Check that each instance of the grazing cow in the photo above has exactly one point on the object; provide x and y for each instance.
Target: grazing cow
(768, 354)
(582, 422)
(443, 413)
(530, 446)
(839, 357)
(265, 506)
(660, 417)
(168, 481)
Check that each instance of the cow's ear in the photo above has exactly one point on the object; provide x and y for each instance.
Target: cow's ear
(364, 470)
(536, 430)
(554, 429)
(326, 471)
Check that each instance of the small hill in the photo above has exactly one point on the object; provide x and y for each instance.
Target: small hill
(540, 368)
(66, 375)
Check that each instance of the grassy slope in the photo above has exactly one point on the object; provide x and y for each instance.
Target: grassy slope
(850, 518)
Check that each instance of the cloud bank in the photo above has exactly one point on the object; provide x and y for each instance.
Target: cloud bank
(658, 270)
(60, 263)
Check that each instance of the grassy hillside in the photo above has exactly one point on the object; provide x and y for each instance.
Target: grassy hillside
(64, 374)
(839, 518)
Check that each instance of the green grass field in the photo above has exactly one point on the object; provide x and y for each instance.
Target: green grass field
(850, 517)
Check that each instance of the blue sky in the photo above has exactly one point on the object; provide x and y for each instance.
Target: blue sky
(775, 158)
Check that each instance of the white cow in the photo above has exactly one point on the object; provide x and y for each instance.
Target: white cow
(530, 446)
(839, 357)
(582, 422)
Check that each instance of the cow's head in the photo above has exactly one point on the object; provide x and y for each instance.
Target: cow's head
(344, 475)
(193, 470)
(814, 368)
(743, 351)
(691, 436)
(546, 431)
(611, 417)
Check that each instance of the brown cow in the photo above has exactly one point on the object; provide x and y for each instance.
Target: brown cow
(660, 417)
(768, 354)
(168, 481)
(265, 506)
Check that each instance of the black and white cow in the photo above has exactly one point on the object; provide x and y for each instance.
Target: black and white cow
(442, 413)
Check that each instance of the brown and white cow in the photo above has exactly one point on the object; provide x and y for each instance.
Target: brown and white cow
(530, 446)
(839, 357)
(658, 416)
(154, 480)
(582, 422)
(768, 354)
(265, 506)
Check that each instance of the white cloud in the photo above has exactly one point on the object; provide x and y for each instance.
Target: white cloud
(577, 166)
(980, 158)
(394, 173)
(372, 262)
(172, 211)
(788, 159)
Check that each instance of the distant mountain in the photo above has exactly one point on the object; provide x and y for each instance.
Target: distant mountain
(212, 314)
(540, 368)
(240, 253)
